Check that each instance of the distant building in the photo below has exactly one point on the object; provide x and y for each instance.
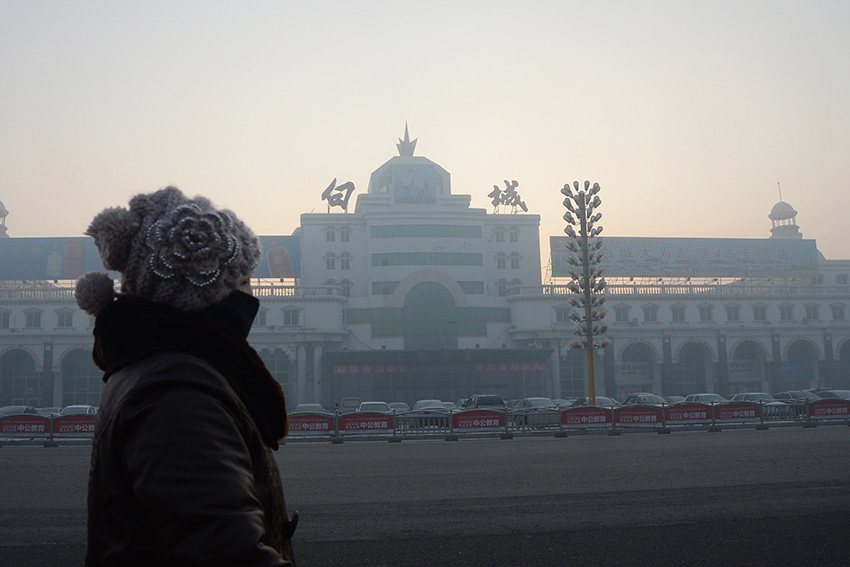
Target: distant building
(414, 294)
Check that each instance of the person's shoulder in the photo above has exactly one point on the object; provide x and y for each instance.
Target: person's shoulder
(168, 371)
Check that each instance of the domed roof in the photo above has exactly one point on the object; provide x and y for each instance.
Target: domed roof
(781, 211)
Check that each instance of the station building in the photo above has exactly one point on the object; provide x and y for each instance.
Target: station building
(414, 294)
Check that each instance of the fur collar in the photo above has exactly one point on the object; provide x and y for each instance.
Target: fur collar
(133, 328)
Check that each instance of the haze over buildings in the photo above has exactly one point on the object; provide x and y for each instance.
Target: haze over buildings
(687, 114)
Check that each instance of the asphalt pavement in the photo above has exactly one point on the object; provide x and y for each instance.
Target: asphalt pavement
(744, 497)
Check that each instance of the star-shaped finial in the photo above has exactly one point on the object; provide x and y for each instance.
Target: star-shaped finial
(406, 147)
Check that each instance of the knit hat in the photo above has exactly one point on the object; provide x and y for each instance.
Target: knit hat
(169, 249)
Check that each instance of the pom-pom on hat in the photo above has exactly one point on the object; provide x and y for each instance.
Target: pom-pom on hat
(169, 249)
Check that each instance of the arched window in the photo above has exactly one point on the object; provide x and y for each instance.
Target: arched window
(330, 261)
(346, 287)
(501, 260)
(82, 381)
(20, 384)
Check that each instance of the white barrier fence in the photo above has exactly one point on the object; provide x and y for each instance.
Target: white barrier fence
(421, 424)
(663, 419)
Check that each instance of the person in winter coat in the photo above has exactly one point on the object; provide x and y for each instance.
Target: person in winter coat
(182, 469)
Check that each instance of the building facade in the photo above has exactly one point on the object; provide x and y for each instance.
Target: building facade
(415, 294)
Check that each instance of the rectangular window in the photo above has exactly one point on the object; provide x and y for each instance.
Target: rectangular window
(514, 235)
(650, 314)
(786, 312)
(260, 319)
(515, 262)
(33, 320)
(345, 263)
(733, 313)
(759, 313)
(678, 313)
(837, 314)
(705, 313)
(330, 262)
(4, 319)
(65, 319)
(621, 314)
(344, 234)
(290, 318)
(842, 279)
(500, 235)
(812, 313)
(562, 314)
(330, 235)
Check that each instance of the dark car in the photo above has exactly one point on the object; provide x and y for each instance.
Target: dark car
(798, 396)
(601, 401)
(484, 401)
(17, 410)
(644, 399)
(835, 394)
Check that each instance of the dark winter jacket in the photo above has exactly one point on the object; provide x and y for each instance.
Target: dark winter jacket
(182, 468)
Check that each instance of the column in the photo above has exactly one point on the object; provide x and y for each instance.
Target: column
(301, 365)
(317, 373)
(555, 367)
(722, 378)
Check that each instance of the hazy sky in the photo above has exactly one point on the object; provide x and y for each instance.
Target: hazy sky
(686, 113)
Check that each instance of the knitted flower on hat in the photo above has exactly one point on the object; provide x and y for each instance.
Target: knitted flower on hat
(170, 249)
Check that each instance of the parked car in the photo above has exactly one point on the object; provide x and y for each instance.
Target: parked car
(429, 405)
(674, 399)
(78, 410)
(17, 410)
(537, 403)
(309, 408)
(796, 396)
(484, 401)
(349, 405)
(644, 399)
(753, 397)
(451, 406)
(771, 407)
(706, 398)
(428, 415)
(835, 394)
(601, 401)
(399, 407)
(47, 412)
(564, 402)
(535, 412)
(374, 407)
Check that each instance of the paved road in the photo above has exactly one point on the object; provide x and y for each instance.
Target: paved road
(777, 497)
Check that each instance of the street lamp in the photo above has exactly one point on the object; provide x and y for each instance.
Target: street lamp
(586, 283)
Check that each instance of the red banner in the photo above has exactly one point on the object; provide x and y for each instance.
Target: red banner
(479, 420)
(311, 424)
(508, 366)
(24, 426)
(365, 423)
(586, 417)
(736, 412)
(638, 416)
(74, 425)
(687, 413)
(371, 368)
(829, 409)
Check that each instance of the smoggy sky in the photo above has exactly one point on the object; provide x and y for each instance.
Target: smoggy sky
(687, 114)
